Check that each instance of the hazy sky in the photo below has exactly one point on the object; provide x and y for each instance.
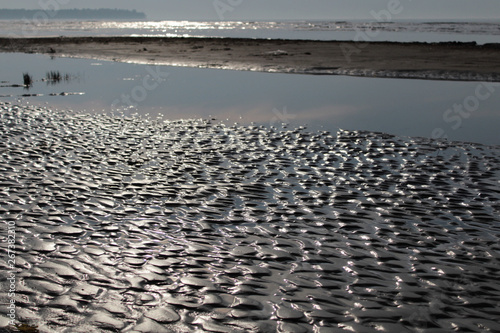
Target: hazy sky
(283, 9)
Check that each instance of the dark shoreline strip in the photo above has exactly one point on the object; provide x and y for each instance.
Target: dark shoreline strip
(107, 39)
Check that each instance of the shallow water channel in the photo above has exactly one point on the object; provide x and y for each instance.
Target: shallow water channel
(462, 111)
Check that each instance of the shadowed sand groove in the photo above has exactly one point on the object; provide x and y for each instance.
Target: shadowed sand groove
(137, 225)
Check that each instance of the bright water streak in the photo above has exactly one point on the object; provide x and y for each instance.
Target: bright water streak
(402, 31)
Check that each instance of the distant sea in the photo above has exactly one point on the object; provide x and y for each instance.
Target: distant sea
(480, 32)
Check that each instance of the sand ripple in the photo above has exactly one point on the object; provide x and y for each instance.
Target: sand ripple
(138, 225)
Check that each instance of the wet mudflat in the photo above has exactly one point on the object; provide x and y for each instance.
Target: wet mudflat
(470, 62)
(138, 225)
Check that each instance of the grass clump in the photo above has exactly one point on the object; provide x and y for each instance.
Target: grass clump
(27, 79)
(53, 76)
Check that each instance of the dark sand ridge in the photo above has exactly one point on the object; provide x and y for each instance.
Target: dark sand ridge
(452, 61)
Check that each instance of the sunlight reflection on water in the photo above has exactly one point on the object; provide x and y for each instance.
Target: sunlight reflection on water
(404, 31)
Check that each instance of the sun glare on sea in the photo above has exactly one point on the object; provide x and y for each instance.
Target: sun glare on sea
(169, 26)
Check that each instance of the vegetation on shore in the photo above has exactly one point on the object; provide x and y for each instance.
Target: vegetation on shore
(27, 80)
(54, 77)
(51, 77)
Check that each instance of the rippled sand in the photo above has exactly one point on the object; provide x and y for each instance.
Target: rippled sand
(136, 225)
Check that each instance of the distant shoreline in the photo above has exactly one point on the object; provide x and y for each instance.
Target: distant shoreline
(88, 14)
(444, 61)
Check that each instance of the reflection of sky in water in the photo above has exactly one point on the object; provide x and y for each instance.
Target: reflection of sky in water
(396, 106)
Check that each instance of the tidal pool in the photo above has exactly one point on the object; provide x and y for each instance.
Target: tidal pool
(461, 111)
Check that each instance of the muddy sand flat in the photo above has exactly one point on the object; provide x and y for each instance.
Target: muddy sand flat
(449, 61)
(136, 225)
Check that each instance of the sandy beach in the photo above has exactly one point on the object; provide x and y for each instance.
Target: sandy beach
(128, 224)
(449, 61)
(121, 223)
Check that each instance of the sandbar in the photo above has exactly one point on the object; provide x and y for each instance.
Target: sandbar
(446, 61)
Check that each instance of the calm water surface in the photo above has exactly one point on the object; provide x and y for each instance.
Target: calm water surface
(376, 30)
(396, 106)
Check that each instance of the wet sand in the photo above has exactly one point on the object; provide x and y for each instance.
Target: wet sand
(449, 61)
(137, 225)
